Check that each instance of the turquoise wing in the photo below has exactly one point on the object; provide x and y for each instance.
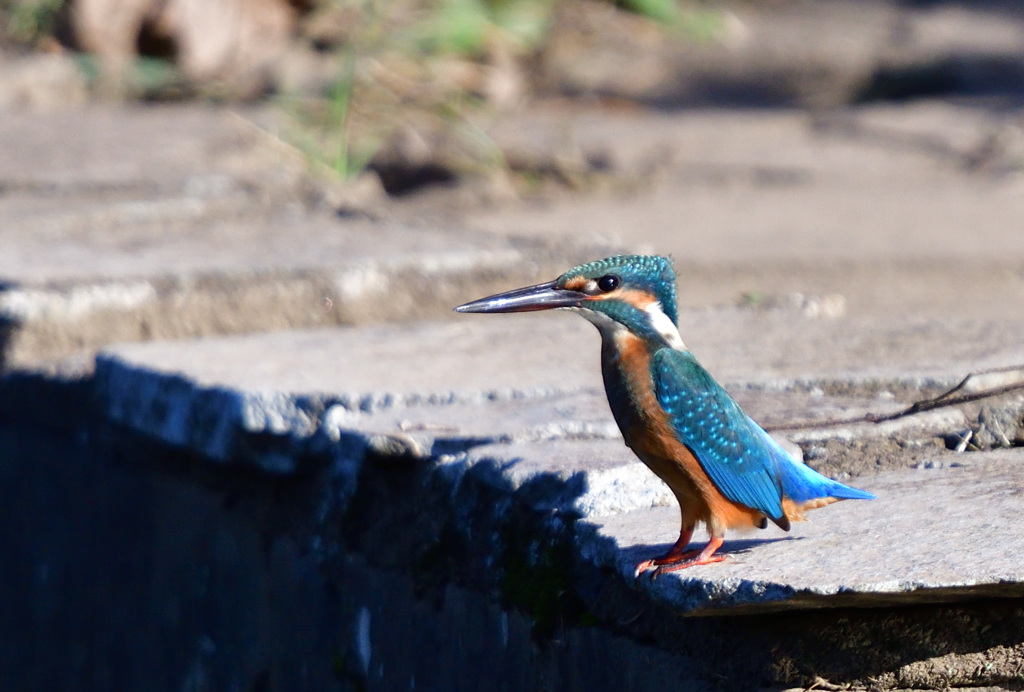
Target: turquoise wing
(729, 446)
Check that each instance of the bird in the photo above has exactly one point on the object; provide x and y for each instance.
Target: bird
(724, 470)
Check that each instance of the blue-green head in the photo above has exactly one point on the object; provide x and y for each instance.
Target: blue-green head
(635, 292)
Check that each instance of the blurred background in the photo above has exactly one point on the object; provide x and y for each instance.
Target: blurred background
(869, 149)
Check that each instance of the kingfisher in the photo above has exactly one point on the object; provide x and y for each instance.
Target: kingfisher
(723, 468)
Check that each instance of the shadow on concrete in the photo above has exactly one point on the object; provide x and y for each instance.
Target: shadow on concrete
(130, 566)
(8, 327)
(639, 552)
(134, 569)
(1001, 6)
(738, 546)
(748, 90)
(954, 75)
(967, 76)
(743, 546)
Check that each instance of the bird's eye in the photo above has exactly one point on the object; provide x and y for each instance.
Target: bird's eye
(608, 282)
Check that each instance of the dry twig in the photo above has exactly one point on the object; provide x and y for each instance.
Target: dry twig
(943, 400)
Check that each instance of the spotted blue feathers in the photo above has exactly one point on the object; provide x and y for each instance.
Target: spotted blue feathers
(728, 445)
(742, 460)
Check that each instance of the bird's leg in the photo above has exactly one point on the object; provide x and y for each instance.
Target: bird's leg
(675, 553)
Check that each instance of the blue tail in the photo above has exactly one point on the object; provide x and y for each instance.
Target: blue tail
(801, 483)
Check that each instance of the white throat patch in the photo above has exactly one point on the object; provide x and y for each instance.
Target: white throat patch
(611, 329)
(663, 325)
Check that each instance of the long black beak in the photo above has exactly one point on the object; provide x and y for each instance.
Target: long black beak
(539, 297)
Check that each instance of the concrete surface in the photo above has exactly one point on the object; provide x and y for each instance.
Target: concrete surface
(533, 416)
(184, 221)
(188, 221)
(891, 551)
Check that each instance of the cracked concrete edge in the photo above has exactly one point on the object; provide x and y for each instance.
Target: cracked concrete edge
(225, 424)
(273, 430)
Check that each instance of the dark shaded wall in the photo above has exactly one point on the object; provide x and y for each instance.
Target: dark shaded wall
(133, 569)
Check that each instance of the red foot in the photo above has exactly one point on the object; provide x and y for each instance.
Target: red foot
(675, 559)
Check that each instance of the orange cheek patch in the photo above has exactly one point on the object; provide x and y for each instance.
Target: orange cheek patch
(637, 299)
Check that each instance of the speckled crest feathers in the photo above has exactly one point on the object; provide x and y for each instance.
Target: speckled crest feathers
(652, 273)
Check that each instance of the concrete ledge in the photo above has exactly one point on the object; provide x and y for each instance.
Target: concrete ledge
(449, 454)
(889, 552)
(555, 451)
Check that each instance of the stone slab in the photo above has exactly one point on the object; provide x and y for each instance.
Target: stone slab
(932, 535)
(526, 416)
(881, 183)
(923, 540)
(245, 277)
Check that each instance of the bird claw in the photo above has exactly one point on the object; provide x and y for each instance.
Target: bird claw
(643, 567)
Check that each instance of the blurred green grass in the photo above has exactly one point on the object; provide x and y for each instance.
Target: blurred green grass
(28, 22)
(423, 65)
